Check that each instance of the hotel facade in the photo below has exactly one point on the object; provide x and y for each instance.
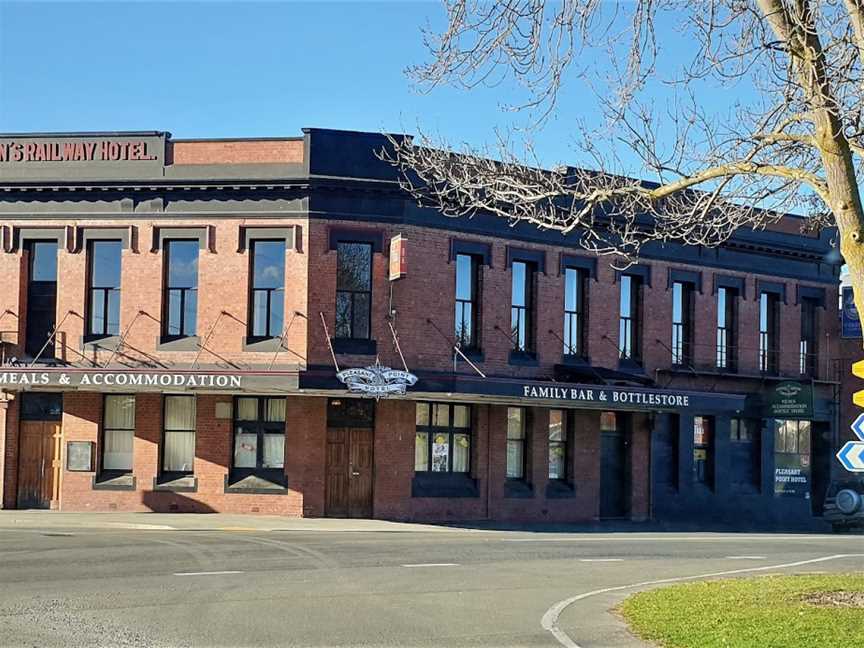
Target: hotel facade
(273, 326)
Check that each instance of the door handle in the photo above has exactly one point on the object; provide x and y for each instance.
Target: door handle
(42, 469)
(354, 473)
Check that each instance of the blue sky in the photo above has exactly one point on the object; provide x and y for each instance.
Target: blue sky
(245, 69)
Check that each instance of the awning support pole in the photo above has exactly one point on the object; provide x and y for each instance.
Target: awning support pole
(396, 343)
(455, 348)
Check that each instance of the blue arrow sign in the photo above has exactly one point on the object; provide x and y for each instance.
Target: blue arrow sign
(851, 455)
(858, 427)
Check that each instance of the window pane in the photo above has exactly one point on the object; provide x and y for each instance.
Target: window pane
(461, 453)
(515, 423)
(515, 457)
(421, 451)
(519, 271)
(179, 451)
(460, 416)
(275, 409)
(571, 289)
(179, 412)
(557, 458)
(804, 439)
(259, 312)
(780, 436)
(245, 449)
(556, 425)
(361, 316)
(343, 315)
(117, 454)
(182, 264)
(677, 303)
(464, 278)
(247, 409)
(105, 264)
(273, 451)
(440, 452)
(174, 315)
(440, 415)
(277, 311)
(422, 416)
(113, 315)
(97, 311)
(190, 324)
(43, 261)
(626, 284)
(354, 266)
(721, 307)
(268, 264)
(120, 412)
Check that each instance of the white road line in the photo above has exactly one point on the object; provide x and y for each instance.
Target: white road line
(601, 560)
(207, 573)
(550, 618)
(431, 565)
(746, 558)
(678, 538)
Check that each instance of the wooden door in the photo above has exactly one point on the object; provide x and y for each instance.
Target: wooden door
(349, 472)
(613, 475)
(39, 464)
(360, 477)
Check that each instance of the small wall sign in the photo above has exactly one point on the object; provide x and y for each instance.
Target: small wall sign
(790, 400)
(377, 381)
(79, 456)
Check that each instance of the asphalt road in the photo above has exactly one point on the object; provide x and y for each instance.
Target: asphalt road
(378, 587)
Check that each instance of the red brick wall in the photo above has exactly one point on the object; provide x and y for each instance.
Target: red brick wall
(237, 152)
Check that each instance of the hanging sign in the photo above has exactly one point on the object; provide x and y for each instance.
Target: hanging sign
(398, 257)
(851, 324)
(377, 381)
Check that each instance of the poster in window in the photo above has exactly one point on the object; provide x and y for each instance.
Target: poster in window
(791, 475)
(440, 452)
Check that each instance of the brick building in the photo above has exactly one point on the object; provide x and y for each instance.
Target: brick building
(173, 314)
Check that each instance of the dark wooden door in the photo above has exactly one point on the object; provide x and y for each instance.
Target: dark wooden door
(613, 475)
(349, 472)
(39, 464)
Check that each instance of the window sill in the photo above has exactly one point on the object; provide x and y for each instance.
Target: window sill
(444, 485)
(518, 489)
(575, 360)
(114, 482)
(350, 346)
(108, 342)
(262, 344)
(473, 356)
(630, 364)
(559, 489)
(256, 484)
(172, 343)
(523, 358)
(176, 482)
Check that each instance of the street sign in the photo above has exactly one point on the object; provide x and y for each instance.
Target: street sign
(851, 455)
(858, 369)
(858, 398)
(858, 427)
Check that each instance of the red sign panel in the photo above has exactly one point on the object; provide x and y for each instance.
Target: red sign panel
(398, 257)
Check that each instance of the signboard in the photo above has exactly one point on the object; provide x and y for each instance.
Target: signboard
(850, 322)
(108, 155)
(604, 395)
(15, 379)
(791, 475)
(851, 455)
(398, 257)
(790, 400)
(377, 381)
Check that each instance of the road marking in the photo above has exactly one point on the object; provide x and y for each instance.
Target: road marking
(739, 538)
(207, 573)
(550, 618)
(601, 560)
(431, 565)
(746, 558)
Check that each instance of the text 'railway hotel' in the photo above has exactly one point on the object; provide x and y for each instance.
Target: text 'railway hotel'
(174, 313)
